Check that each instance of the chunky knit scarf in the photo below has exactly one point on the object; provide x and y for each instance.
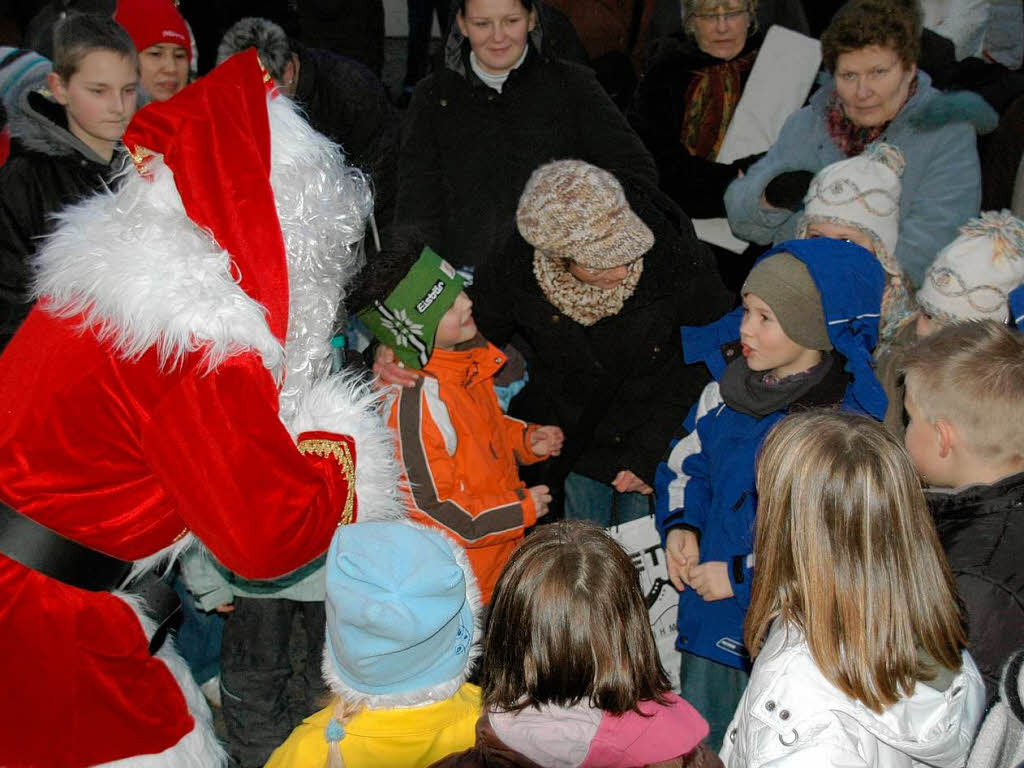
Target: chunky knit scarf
(586, 304)
(852, 139)
(711, 99)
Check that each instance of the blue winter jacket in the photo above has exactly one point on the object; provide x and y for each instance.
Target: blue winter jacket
(941, 182)
(707, 483)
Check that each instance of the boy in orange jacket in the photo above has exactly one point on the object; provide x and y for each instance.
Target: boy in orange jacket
(459, 452)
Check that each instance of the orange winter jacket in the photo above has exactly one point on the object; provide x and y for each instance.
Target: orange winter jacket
(459, 454)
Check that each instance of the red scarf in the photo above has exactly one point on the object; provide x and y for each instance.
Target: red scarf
(851, 138)
(711, 99)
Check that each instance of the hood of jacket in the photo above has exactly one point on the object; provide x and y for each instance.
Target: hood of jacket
(586, 737)
(933, 727)
(456, 44)
(928, 107)
(851, 283)
(41, 125)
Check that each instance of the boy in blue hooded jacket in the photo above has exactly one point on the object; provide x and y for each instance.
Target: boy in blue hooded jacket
(803, 339)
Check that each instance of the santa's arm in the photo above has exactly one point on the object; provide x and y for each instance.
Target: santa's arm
(263, 501)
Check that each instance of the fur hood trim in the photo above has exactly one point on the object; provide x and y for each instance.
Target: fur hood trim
(39, 124)
(435, 693)
(345, 404)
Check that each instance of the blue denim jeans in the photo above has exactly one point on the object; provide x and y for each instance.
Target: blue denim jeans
(199, 636)
(714, 690)
(588, 499)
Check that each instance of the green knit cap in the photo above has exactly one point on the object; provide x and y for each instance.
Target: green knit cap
(783, 283)
(407, 319)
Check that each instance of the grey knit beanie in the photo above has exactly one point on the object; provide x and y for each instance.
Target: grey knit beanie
(783, 283)
(571, 209)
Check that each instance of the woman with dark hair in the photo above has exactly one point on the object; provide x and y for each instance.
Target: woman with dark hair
(686, 99)
(501, 106)
(876, 93)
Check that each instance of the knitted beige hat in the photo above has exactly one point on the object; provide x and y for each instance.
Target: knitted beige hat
(571, 209)
(783, 283)
(862, 192)
(972, 277)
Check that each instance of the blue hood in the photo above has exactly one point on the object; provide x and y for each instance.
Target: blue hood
(850, 281)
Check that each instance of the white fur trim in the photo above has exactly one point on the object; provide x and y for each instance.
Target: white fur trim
(147, 276)
(344, 403)
(199, 748)
(434, 693)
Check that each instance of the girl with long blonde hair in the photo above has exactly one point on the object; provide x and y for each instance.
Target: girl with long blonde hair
(853, 620)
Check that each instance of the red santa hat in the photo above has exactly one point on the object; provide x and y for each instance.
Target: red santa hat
(215, 138)
(150, 22)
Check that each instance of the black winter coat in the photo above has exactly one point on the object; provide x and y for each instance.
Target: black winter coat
(48, 169)
(697, 185)
(467, 150)
(982, 530)
(627, 370)
(346, 102)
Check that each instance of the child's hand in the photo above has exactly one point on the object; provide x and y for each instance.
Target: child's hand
(627, 482)
(711, 580)
(546, 441)
(389, 371)
(225, 608)
(682, 553)
(541, 498)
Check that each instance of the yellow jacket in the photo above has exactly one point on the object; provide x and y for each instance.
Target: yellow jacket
(396, 738)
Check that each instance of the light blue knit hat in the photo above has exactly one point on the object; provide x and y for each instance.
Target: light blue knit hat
(402, 609)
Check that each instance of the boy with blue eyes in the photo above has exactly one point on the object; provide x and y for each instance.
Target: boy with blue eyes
(62, 145)
(803, 339)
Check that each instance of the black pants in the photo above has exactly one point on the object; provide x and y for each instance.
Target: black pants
(256, 668)
(421, 19)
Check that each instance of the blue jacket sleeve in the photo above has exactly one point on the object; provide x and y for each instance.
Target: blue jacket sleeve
(748, 219)
(683, 480)
(948, 194)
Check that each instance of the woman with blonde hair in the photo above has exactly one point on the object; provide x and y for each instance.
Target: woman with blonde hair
(853, 618)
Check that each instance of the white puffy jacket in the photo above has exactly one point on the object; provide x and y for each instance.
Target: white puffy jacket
(791, 716)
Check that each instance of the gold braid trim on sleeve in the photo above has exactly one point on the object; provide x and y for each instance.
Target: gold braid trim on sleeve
(340, 451)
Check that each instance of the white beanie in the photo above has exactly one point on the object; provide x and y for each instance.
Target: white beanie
(863, 192)
(972, 277)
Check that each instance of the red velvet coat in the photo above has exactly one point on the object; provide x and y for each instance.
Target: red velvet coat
(105, 452)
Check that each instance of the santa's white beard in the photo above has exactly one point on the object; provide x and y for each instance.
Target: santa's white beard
(322, 205)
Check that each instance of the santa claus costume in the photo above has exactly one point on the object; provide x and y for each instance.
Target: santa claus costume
(171, 384)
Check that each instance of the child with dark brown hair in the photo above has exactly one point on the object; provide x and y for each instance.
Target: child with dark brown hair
(571, 677)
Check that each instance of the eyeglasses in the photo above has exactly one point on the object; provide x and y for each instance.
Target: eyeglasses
(727, 16)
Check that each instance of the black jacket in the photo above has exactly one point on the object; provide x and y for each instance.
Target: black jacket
(49, 168)
(982, 530)
(346, 102)
(626, 371)
(696, 184)
(467, 150)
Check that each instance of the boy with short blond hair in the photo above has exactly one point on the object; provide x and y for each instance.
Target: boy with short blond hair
(965, 400)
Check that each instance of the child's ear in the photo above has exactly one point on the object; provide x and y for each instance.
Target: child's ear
(56, 85)
(945, 436)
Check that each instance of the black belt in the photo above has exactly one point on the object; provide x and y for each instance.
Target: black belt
(37, 547)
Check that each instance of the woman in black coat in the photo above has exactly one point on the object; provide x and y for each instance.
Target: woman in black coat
(685, 101)
(596, 299)
(500, 107)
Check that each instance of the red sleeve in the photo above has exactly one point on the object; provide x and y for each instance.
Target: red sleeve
(240, 482)
(518, 433)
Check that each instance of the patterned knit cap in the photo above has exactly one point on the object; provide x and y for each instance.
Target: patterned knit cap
(571, 209)
(862, 192)
(972, 277)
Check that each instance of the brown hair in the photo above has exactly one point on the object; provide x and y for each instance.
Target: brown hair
(847, 553)
(79, 34)
(568, 623)
(862, 23)
(971, 375)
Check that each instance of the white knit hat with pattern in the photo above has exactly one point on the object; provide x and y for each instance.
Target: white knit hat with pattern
(972, 277)
(863, 192)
